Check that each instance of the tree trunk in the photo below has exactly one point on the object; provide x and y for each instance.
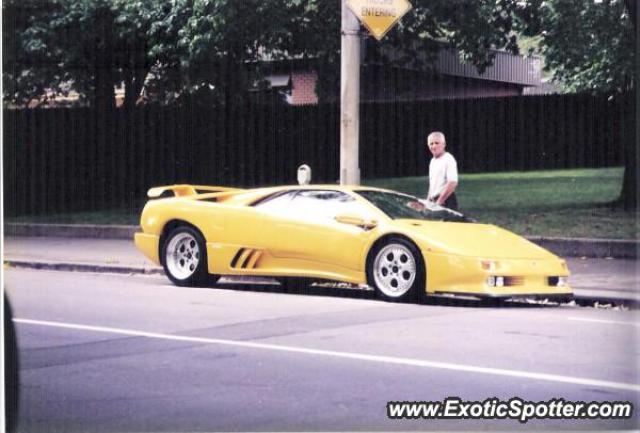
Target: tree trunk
(133, 84)
(629, 196)
(135, 72)
(628, 199)
(105, 96)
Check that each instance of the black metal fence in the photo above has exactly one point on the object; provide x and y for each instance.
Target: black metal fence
(72, 159)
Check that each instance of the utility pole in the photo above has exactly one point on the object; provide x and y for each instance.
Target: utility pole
(349, 97)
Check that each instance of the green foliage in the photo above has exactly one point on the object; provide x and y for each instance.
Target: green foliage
(88, 46)
(222, 44)
(217, 46)
(588, 45)
(24, 49)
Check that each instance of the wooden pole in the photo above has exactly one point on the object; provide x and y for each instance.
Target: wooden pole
(349, 97)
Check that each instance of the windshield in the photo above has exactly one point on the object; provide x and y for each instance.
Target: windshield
(398, 206)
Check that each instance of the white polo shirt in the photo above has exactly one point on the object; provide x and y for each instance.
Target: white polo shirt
(442, 170)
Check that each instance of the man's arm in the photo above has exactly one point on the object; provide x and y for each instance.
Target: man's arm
(448, 190)
(452, 176)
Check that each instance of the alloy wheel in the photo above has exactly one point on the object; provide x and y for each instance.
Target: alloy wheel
(394, 270)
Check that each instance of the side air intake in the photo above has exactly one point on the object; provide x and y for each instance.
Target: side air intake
(246, 258)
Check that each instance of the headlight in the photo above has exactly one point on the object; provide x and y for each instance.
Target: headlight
(493, 281)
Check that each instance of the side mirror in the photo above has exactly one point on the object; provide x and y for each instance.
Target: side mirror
(358, 221)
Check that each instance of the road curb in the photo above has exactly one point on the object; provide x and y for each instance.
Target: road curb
(82, 267)
(590, 299)
(592, 248)
(564, 247)
(92, 231)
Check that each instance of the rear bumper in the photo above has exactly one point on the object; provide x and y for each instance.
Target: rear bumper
(148, 245)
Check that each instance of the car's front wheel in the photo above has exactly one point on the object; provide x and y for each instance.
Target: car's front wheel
(396, 270)
(184, 257)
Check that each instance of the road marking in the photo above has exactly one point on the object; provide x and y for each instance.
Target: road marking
(610, 322)
(346, 355)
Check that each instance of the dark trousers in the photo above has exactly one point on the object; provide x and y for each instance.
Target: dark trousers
(451, 202)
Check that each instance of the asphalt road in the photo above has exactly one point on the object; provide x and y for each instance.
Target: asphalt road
(134, 353)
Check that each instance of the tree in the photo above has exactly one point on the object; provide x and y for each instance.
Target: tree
(88, 46)
(630, 187)
(223, 33)
(590, 46)
(216, 46)
(23, 78)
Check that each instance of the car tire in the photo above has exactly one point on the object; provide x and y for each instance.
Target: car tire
(396, 270)
(184, 257)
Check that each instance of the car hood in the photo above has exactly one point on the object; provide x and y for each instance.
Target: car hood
(470, 239)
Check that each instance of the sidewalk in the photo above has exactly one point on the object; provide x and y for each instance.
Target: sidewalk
(602, 280)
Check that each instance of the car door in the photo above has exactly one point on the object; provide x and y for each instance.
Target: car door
(302, 225)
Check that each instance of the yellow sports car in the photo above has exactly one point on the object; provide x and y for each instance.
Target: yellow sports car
(399, 245)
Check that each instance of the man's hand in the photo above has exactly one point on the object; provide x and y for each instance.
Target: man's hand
(448, 190)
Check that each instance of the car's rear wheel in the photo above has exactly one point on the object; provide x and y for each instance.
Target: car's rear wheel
(184, 257)
(396, 270)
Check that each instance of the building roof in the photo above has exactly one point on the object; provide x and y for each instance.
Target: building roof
(506, 67)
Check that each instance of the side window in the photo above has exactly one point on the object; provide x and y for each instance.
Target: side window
(277, 205)
(313, 205)
(318, 205)
(324, 206)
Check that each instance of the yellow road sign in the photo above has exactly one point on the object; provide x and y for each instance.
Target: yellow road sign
(379, 15)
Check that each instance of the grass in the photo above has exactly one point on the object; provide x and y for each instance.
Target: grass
(570, 203)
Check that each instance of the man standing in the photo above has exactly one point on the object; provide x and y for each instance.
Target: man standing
(443, 173)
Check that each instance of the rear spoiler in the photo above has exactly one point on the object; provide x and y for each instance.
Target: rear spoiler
(187, 190)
